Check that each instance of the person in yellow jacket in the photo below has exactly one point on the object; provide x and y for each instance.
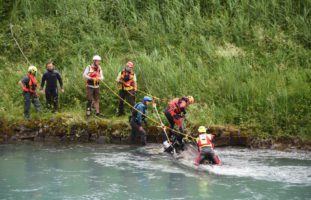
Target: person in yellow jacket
(127, 83)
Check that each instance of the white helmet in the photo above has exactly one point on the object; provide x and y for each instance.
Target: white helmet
(97, 57)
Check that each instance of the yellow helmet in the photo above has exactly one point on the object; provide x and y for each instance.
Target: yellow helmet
(32, 70)
(190, 98)
(202, 129)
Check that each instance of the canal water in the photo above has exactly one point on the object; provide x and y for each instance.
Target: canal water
(41, 171)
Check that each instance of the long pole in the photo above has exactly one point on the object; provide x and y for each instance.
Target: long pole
(17, 44)
(163, 127)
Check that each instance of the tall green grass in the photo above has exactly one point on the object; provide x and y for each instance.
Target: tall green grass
(246, 62)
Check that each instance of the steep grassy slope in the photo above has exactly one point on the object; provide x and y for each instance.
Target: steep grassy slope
(247, 62)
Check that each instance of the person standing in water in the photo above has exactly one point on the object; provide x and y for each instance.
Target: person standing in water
(51, 76)
(93, 75)
(138, 118)
(127, 83)
(174, 113)
(29, 84)
(206, 148)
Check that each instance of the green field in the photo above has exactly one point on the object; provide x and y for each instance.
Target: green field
(246, 62)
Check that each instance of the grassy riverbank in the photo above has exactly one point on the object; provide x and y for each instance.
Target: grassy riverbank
(247, 63)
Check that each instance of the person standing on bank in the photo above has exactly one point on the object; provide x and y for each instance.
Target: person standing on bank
(29, 85)
(93, 75)
(138, 118)
(127, 83)
(51, 76)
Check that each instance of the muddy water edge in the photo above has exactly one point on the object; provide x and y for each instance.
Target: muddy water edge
(58, 130)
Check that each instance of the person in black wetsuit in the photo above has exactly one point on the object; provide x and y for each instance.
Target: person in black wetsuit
(51, 76)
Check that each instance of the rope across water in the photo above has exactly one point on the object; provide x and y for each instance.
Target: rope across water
(151, 119)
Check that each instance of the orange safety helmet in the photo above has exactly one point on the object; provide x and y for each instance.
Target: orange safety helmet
(130, 64)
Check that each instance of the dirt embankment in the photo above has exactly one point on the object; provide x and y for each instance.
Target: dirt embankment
(62, 130)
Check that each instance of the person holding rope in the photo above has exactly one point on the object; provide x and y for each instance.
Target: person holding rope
(93, 75)
(51, 76)
(137, 118)
(29, 84)
(127, 83)
(175, 113)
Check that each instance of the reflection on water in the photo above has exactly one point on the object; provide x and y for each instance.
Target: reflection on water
(39, 171)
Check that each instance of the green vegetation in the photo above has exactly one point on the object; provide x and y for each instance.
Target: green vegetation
(247, 62)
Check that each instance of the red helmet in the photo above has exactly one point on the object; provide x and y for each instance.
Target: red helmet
(130, 64)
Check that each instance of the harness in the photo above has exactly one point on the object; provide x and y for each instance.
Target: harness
(205, 140)
(127, 79)
(32, 84)
(94, 73)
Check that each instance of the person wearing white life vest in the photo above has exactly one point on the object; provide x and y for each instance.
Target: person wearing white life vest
(206, 148)
(93, 75)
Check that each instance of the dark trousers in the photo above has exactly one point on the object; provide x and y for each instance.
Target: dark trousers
(171, 122)
(51, 96)
(207, 154)
(126, 95)
(28, 99)
(136, 128)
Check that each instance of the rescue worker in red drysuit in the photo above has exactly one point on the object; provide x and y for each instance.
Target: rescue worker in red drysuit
(174, 113)
(206, 148)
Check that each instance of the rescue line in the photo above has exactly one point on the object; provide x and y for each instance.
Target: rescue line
(153, 120)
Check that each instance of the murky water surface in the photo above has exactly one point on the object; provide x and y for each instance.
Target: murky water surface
(38, 171)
